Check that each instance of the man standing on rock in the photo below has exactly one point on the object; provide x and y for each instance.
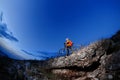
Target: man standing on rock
(68, 45)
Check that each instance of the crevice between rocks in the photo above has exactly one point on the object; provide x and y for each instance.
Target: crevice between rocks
(90, 68)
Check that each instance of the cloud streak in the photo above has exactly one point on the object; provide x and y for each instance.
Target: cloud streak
(4, 32)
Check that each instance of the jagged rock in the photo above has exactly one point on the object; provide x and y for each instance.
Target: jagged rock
(82, 58)
(96, 61)
(116, 37)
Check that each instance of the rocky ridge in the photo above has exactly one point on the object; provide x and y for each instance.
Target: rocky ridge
(98, 61)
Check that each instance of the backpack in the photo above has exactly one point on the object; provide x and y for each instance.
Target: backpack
(69, 43)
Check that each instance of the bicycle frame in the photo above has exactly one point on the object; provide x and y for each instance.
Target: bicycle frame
(65, 50)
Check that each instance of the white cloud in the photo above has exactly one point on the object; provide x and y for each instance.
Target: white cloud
(4, 32)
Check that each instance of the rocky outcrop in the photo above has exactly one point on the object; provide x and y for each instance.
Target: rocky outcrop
(98, 61)
(84, 57)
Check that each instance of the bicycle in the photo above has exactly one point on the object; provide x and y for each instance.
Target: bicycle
(63, 51)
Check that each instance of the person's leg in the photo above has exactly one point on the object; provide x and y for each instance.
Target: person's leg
(70, 49)
(67, 51)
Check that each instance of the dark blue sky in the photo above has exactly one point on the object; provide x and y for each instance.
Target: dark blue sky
(43, 25)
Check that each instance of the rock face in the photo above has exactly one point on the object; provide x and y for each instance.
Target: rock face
(97, 61)
(21, 70)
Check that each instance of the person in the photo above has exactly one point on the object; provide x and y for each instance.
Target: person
(68, 45)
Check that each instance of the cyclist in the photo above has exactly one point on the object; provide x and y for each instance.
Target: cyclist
(68, 45)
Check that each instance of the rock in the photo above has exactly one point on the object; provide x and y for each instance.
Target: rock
(92, 61)
(81, 56)
(110, 77)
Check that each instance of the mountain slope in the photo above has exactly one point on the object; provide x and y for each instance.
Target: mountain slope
(98, 61)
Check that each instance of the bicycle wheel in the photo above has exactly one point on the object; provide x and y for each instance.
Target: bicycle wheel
(62, 52)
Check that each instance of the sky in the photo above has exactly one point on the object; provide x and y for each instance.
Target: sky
(43, 25)
(7, 39)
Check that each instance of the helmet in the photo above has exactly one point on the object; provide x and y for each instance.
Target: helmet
(67, 39)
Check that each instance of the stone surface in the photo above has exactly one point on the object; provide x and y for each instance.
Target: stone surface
(95, 61)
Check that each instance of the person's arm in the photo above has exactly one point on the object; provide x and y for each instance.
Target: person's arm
(65, 44)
